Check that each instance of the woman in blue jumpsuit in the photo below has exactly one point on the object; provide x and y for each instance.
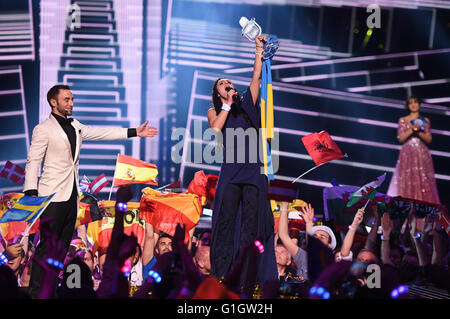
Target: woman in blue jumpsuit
(241, 210)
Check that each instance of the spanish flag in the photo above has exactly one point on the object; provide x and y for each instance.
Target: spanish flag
(165, 210)
(132, 224)
(133, 171)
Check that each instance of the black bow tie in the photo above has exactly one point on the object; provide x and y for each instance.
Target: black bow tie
(66, 121)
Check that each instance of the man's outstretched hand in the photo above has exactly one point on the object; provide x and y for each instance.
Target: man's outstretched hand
(146, 131)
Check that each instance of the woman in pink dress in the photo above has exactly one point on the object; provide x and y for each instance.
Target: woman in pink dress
(414, 173)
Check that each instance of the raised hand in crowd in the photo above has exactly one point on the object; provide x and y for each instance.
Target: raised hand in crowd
(52, 262)
(416, 239)
(345, 253)
(116, 250)
(190, 274)
(13, 251)
(387, 224)
(307, 214)
(440, 243)
(283, 227)
(371, 238)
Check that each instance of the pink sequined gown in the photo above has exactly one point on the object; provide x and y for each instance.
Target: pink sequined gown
(414, 172)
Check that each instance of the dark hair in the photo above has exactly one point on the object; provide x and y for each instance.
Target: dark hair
(163, 235)
(216, 102)
(235, 109)
(54, 91)
(411, 97)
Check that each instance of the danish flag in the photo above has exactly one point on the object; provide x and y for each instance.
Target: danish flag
(13, 172)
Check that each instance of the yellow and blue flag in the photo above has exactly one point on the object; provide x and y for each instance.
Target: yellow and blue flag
(267, 117)
(26, 209)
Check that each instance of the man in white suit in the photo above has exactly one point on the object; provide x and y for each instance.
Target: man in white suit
(56, 145)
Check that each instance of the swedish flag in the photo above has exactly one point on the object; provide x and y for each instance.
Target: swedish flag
(26, 209)
(267, 117)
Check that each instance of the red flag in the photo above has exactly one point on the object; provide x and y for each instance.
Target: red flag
(165, 210)
(98, 183)
(17, 228)
(13, 172)
(198, 184)
(321, 147)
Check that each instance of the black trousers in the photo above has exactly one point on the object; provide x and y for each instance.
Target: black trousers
(64, 217)
(225, 252)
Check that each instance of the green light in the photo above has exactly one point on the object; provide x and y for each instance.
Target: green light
(367, 38)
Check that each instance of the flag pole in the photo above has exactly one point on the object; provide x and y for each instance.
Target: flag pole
(307, 172)
(4, 242)
(162, 187)
(114, 178)
(345, 155)
(364, 208)
(37, 217)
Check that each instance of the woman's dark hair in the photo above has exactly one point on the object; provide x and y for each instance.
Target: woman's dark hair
(411, 97)
(235, 109)
(216, 102)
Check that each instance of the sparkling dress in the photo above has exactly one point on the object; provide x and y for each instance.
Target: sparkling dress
(414, 173)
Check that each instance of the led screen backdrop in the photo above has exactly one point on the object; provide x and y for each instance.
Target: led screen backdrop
(131, 61)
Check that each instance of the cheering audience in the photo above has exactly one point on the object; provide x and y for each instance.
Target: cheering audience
(313, 262)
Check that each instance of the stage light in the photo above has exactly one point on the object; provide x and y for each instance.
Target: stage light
(155, 276)
(259, 246)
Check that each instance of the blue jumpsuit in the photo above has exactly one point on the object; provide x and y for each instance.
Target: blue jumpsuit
(241, 210)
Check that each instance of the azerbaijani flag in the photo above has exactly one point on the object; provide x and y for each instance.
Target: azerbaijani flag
(133, 171)
(368, 191)
(267, 117)
(26, 209)
(165, 210)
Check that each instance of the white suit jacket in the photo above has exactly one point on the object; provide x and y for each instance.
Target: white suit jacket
(50, 146)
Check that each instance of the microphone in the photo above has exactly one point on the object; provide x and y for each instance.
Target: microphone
(228, 89)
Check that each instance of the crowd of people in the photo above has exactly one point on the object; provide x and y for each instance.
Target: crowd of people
(242, 255)
(312, 262)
